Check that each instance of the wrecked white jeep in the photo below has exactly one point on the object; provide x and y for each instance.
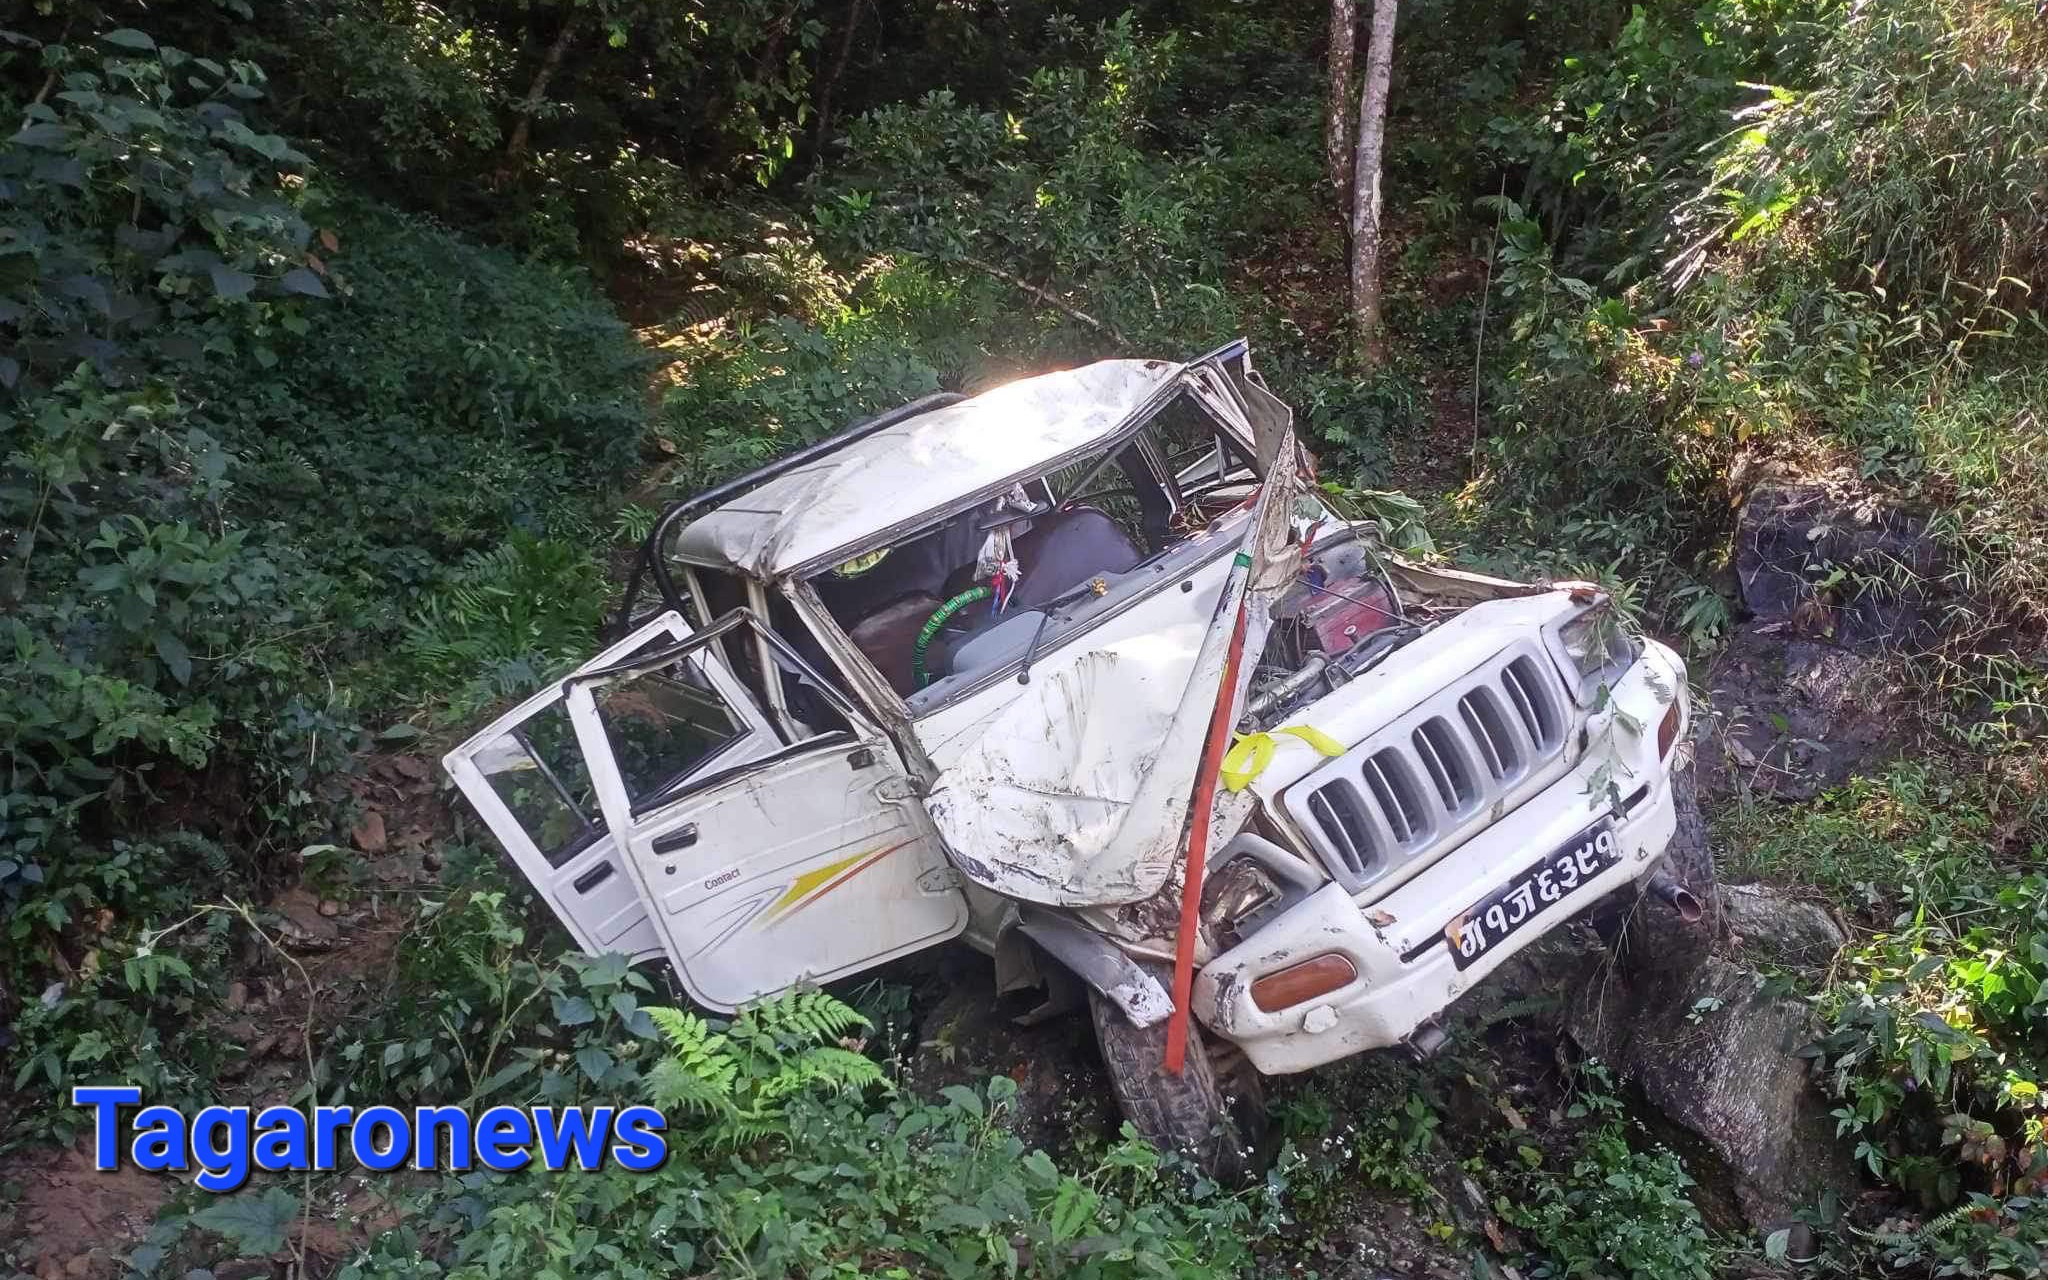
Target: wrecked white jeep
(1021, 669)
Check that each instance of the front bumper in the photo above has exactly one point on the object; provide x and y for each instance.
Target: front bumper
(1396, 943)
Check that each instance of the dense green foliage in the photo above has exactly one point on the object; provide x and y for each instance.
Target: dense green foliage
(319, 428)
(254, 502)
(1936, 1044)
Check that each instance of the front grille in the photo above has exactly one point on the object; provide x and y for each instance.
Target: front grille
(1400, 794)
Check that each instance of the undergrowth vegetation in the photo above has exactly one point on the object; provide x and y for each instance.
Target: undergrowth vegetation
(1935, 1021)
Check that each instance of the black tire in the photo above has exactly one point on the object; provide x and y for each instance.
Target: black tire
(1213, 1112)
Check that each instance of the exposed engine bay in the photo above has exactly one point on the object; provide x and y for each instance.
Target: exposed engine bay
(1341, 619)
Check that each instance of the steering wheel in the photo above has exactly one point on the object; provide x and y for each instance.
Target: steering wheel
(939, 618)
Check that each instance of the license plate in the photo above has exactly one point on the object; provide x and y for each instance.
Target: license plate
(1540, 886)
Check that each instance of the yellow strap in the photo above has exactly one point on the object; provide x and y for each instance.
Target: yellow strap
(1252, 752)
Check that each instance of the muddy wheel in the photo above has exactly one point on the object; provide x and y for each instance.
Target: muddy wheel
(1214, 1111)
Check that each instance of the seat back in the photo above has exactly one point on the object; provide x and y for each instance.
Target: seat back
(1066, 549)
(888, 637)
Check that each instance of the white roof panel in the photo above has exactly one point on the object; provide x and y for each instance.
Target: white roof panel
(920, 466)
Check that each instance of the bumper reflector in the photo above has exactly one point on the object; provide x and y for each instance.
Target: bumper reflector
(1317, 976)
(1667, 730)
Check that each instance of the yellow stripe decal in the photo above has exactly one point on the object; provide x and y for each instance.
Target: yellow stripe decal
(819, 881)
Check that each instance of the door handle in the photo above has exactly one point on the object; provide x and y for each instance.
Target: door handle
(681, 838)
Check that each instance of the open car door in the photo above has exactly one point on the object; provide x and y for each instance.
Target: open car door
(802, 862)
(525, 777)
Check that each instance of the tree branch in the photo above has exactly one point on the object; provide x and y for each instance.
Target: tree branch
(550, 63)
(1049, 298)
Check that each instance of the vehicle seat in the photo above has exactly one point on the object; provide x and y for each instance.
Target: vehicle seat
(888, 637)
(1066, 549)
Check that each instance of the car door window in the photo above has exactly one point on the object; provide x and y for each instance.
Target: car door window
(528, 778)
(665, 726)
(536, 770)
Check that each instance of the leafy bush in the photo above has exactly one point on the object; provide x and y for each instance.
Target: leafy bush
(1910, 150)
(1615, 1212)
(1935, 1042)
(252, 435)
(788, 1167)
(1621, 143)
(784, 384)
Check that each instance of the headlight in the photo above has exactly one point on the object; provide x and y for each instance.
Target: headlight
(1237, 899)
(1598, 645)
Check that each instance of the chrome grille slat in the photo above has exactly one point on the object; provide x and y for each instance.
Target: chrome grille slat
(1394, 798)
(1489, 728)
(1376, 778)
(1348, 835)
(1436, 744)
(1533, 703)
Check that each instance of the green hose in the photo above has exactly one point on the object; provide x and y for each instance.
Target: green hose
(938, 619)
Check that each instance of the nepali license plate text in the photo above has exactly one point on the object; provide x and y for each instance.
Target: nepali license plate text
(1541, 886)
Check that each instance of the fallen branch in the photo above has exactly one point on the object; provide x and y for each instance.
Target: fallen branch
(1049, 298)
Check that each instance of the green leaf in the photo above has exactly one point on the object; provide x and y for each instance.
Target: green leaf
(1778, 1244)
(504, 1076)
(43, 135)
(176, 657)
(230, 283)
(129, 38)
(302, 280)
(257, 1224)
(594, 1061)
(964, 1098)
(573, 1011)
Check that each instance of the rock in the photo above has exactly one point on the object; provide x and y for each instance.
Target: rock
(1770, 925)
(1791, 717)
(1704, 1044)
(300, 921)
(369, 833)
(1813, 553)
(1838, 584)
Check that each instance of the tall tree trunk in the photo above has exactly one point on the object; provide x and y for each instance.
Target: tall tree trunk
(1337, 118)
(832, 75)
(522, 129)
(1365, 202)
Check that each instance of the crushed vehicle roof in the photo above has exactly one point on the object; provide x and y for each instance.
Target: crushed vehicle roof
(921, 465)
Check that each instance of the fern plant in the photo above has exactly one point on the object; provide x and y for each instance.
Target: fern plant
(739, 1081)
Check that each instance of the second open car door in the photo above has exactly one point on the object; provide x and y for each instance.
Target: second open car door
(525, 776)
(800, 858)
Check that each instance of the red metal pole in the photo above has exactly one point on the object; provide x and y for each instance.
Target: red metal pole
(1198, 842)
